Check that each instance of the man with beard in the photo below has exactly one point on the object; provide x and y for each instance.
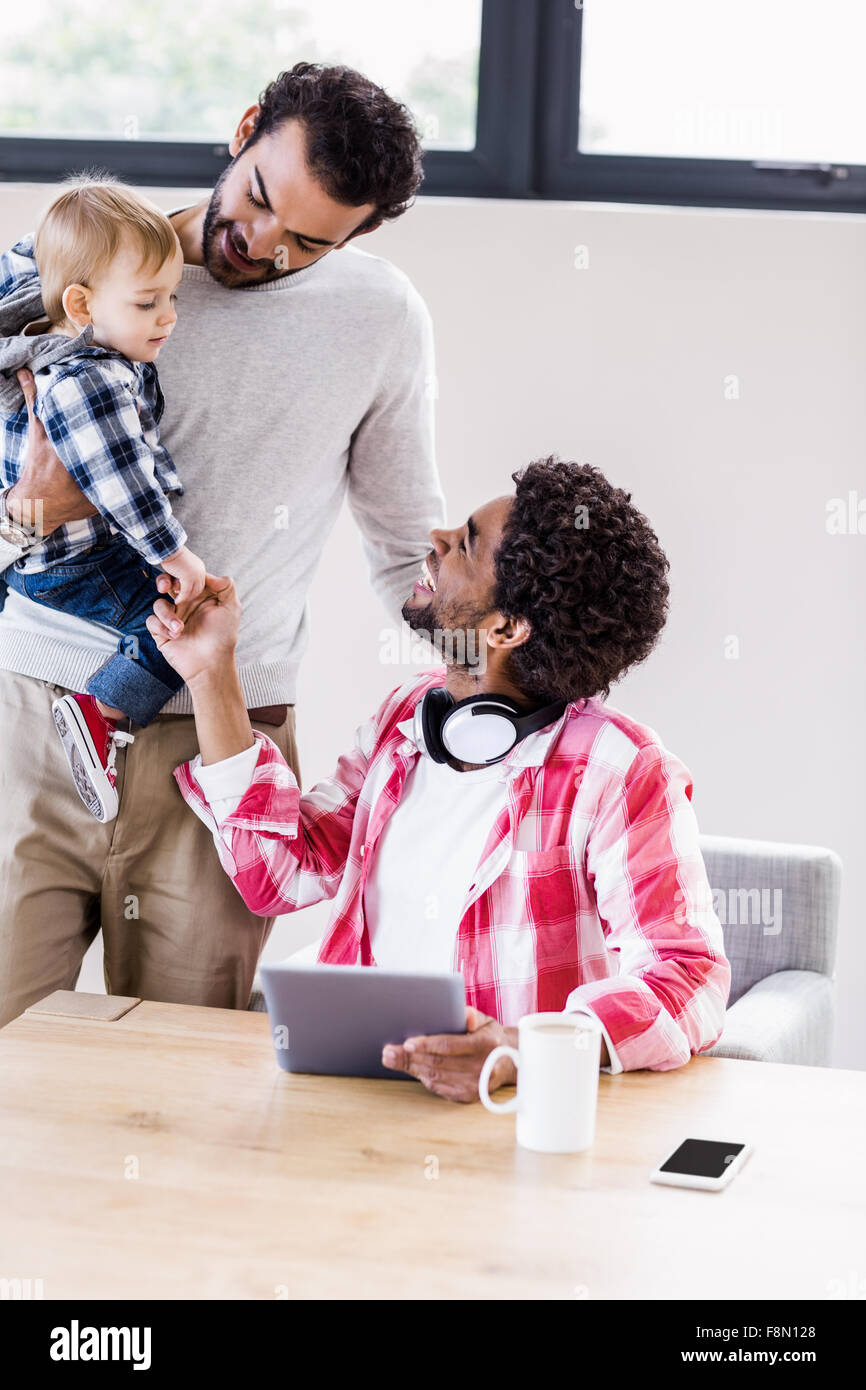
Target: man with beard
(294, 377)
(553, 836)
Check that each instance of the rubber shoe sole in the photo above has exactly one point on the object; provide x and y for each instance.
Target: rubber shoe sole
(90, 777)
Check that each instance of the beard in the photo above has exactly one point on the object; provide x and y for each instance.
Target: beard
(456, 634)
(214, 260)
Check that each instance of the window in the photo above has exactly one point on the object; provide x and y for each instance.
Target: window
(152, 89)
(754, 80)
(754, 103)
(154, 69)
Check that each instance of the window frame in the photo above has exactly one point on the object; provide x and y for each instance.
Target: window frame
(498, 166)
(564, 172)
(526, 141)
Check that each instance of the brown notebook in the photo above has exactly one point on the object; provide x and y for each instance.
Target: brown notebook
(73, 1003)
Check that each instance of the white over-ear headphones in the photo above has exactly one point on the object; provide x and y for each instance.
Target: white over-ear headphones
(479, 729)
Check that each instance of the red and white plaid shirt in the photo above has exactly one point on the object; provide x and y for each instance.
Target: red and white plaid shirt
(590, 894)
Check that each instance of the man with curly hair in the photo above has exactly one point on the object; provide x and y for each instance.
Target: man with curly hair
(559, 871)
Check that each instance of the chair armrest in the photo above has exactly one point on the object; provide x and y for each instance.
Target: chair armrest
(786, 1017)
(794, 887)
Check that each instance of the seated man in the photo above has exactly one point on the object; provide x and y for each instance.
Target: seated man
(553, 861)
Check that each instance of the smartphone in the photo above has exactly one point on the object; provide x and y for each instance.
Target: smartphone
(706, 1163)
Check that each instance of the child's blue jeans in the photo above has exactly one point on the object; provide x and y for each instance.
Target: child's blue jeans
(112, 585)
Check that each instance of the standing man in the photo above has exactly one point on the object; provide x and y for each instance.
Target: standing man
(294, 377)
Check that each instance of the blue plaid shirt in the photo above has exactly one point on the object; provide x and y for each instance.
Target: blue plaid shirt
(101, 412)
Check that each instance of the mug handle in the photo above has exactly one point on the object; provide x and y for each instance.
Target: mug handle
(496, 1107)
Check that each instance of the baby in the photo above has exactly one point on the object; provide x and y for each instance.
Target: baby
(107, 264)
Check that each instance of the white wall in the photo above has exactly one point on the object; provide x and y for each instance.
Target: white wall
(623, 364)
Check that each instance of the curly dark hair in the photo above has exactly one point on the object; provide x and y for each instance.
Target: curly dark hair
(362, 146)
(584, 568)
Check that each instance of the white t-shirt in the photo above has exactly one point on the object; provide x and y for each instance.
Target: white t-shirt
(425, 858)
(424, 864)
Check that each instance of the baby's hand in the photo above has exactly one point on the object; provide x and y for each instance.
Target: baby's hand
(188, 573)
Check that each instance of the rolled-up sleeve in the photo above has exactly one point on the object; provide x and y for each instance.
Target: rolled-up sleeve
(666, 1000)
(282, 850)
(224, 783)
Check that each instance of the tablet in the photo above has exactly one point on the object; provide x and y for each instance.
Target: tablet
(334, 1020)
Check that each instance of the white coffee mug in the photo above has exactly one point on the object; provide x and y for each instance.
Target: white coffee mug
(557, 1060)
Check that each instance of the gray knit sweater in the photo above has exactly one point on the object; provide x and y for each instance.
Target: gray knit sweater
(281, 399)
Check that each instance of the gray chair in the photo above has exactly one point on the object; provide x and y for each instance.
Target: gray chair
(779, 909)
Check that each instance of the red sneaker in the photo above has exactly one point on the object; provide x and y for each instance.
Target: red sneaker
(90, 744)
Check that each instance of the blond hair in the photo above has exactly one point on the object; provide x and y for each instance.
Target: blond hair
(83, 228)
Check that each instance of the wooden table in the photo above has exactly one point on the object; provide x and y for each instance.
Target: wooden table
(164, 1155)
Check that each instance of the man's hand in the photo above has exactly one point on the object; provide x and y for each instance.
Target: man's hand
(450, 1063)
(45, 495)
(207, 627)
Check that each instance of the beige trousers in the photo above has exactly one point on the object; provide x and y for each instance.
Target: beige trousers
(174, 926)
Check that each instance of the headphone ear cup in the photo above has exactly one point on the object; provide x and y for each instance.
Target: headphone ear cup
(434, 706)
(480, 729)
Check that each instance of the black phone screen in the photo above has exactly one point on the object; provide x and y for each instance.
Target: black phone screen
(704, 1158)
